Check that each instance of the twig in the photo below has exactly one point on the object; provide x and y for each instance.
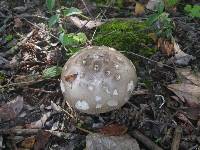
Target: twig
(154, 61)
(38, 27)
(177, 138)
(19, 131)
(32, 16)
(21, 83)
(33, 132)
(141, 92)
(87, 8)
(68, 113)
(145, 140)
(44, 91)
(13, 49)
(84, 130)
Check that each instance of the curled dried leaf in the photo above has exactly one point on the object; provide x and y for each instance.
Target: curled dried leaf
(113, 129)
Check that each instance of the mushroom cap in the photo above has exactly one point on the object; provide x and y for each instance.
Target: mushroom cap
(98, 80)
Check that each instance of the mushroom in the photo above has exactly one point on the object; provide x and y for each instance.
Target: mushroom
(98, 80)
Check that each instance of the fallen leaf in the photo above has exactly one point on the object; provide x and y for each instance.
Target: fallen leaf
(153, 36)
(85, 23)
(28, 142)
(166, 46)
(186, 75)
(184, 119)
(139, 9)
(40, 123)
(41, 140)
(153, 4)
(192, 113)
(180, 57)
(113, 129)
(103, 142)
(11, 109)
(188, 93)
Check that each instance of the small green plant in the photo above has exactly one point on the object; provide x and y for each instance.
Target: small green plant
(161, 23)
(170, 3)
(71, 41)
(50, 4)
(193, 11)
(9, 37)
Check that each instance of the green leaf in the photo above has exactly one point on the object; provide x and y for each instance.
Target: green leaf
(195, 12)
(9, 37)
(53, 20)
(50, 4)
(72, 11)
(52, 72)
(81, 38)
(74, 50)
(67, 39)
(188, 8)
(161, 7)
(171, 3)
(152, 19)
(72, 39)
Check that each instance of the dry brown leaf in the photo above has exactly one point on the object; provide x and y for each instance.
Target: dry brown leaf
(187, 93)
(192, 113)
(153, 4)
(184, 119)
(84, 23)
(139, 9)
(28, 142)
(180, 57)
(166, 46)
(41, 140)
(153, 36)
(40, 123)
(113, 129)
(186, 75)
(11, 109)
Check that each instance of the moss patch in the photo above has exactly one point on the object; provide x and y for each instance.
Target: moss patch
(125, 35)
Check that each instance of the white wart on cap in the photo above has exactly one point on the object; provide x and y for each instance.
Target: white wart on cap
(98, 80)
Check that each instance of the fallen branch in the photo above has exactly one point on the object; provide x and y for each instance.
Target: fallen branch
(21, 84)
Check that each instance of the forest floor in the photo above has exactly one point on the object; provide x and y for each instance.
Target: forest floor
(165, 114)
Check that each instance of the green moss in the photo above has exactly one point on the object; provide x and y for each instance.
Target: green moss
(117, 3)
(125, 35)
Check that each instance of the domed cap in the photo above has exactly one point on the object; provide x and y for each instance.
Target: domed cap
(98, 80)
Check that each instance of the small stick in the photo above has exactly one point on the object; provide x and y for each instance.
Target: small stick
(13, 49)
(145, 140)
(19, 131)
(21, 83)
(177, 138)
(151, 60)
